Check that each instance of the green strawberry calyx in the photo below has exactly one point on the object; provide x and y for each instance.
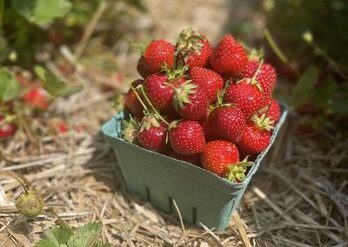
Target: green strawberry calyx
(174, 74)
(182, 94)
(236, 172)
(256, 54)
(189, 41)
(263, 122)
(130, 129)
(148, 122)
(173, 124)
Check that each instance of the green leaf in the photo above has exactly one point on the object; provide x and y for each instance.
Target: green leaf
(323, 93)
(304, 88)
(55, 237)
(41, 12)
(9, 86)
(53, 85)
(86, 236)
(69, 90)
(46, 243)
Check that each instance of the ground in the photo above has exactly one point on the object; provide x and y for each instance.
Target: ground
(297, 198)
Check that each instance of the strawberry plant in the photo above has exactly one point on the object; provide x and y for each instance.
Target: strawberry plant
(315, 61)
(87, 235)
(17, 93)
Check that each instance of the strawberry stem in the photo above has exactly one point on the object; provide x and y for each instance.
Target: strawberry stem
(253, 80)
(275, 47)
(221, 94)
(257, 70)
(151, 105)
(139, 98)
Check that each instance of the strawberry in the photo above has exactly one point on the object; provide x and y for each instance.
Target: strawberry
(229, 57)
(152, 134)
(206, 125)
(190, 102)
(210, 81)
(186, 137)
(222, 158)
(37, 97)
(193, 159)
(266, 75)
(193, 48)
(247, 96)
(6, 129)
(141, 68)
(160, 93)
(227, 122)
(256, 136)
(132, 103)
(274, 111)
(61, 127)
(157, 54)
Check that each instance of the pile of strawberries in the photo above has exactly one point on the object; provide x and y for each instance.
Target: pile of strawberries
(210, 107)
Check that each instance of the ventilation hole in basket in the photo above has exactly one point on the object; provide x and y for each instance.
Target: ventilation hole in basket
(170, 205)
(194, 215)
(148, 194)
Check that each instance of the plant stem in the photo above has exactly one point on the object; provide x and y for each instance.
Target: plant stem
(139, 98)
(258, 69)
(275, 47)
(151, 105)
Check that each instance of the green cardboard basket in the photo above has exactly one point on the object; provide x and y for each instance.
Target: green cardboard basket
(201, 196)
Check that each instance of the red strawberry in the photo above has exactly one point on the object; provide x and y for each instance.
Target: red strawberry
(227, 122)
(158, 54)
(208, 133)
(37, 97)
(61, 127)
(152, 134)
(190, 102)
(186, 137)
(193, 159)
(160, 93)
(229, 57)
(256, 136)
(274, 111)
(266, 75)
(247, 96)
(217, 155)
(6, 129)
(200, 58)
(222, 158)
(132, 103)
(193, 48)
(141, 68)
(210, 81)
